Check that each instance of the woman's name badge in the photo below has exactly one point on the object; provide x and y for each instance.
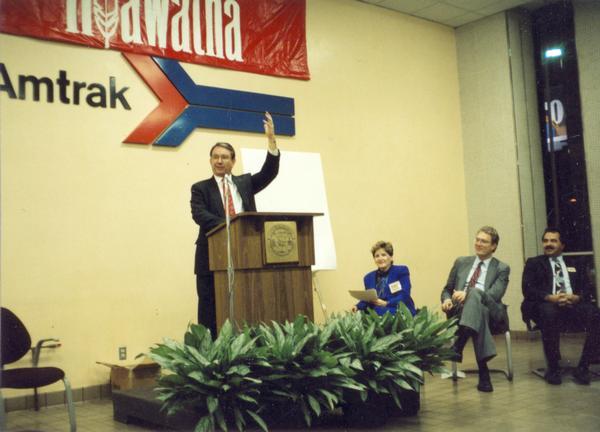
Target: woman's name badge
(395, 287)
(571, 269)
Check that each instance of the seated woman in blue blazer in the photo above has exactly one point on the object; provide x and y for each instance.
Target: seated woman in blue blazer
(392, 282)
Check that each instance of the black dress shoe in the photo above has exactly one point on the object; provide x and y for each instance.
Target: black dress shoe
(582, 375)
(552, 376)
(485, 385)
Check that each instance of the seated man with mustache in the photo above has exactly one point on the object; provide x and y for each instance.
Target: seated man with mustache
(555, 296)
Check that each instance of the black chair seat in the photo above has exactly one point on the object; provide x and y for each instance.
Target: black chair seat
(16, 343)
(23, 378)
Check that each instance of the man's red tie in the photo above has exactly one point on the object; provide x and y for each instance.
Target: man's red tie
(475, 277)
(227, 193)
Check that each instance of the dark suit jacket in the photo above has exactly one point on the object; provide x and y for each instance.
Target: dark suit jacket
(538, 282)
(496, 282)
(207, 205)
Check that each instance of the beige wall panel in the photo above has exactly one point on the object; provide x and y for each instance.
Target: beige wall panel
(488, 128)
(587, 35)
(529, 151)
(398, 126)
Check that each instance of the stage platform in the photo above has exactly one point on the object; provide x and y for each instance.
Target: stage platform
(141, 406)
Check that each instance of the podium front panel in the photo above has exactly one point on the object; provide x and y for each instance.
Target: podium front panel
(265, 295)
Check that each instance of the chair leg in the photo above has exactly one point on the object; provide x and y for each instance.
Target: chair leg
(36, 399)
(508, 373)
(70, 405)
(455, 374)
(509, 362)
(2, 413)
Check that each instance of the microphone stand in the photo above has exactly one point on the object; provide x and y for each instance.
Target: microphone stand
(230, 271)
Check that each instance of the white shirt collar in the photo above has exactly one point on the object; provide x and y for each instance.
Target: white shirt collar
(486, 262)
(557, 258)
(219, 179)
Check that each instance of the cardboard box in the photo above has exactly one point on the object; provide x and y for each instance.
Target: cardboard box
(139, 375)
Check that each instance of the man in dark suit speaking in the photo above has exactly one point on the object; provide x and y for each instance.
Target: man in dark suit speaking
(556, 294)
(473, 293)
(209, 205)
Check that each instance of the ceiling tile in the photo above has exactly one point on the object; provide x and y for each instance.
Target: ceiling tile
(470, 5)
(514, 3)
(408, 6)
(463, 19)
(451, 12)
(500, 5)
(440, 12)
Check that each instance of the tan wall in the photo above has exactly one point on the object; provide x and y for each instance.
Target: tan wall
(490, 145)
(527, 132)
(97, 239)
(587, 35)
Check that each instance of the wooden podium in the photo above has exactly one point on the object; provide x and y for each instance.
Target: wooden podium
(272, 256)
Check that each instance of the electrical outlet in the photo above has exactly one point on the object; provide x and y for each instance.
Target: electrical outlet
(122, 353)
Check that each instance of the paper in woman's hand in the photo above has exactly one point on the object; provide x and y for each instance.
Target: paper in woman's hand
(368, 295)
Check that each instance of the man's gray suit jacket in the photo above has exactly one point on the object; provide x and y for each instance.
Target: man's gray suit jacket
(481, 308)
(496, 279)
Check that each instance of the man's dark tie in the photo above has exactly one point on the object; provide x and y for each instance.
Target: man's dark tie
(559, 277)
(475, 277)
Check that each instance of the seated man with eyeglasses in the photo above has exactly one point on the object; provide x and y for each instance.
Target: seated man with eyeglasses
(473, 294)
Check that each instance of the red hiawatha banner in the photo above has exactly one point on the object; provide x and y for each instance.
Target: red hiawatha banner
(260, 36)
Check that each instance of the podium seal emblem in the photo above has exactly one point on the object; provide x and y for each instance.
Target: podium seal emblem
(281, 242)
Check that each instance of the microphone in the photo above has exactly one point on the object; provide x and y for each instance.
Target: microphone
(230, 270)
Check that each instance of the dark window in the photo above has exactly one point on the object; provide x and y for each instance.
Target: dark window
(565, 178)
(560, 120)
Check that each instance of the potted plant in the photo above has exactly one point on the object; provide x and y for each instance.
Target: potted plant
(426, 335)
(303, 377)
(367, 364)
(214, 380)
(379, 363)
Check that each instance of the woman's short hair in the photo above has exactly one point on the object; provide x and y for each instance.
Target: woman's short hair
(386, 246)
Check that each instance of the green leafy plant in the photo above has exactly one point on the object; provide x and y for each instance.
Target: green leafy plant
(379, 363)
(426, 334)
(242, 378)
(302, 372)
(214, 379)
